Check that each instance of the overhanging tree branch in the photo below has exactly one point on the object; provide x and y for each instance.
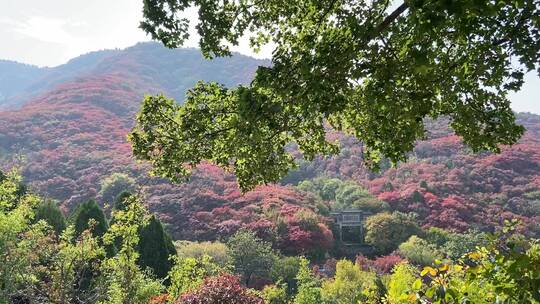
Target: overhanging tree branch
(390, 18)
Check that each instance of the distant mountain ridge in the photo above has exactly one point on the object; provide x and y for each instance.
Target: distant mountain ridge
(28, 81)
(164, 68)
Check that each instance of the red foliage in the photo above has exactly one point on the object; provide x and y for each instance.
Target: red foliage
(385, 264)
(75, 135)
(225, 288)
(382, 264)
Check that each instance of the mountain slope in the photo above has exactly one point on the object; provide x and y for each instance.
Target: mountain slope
(72, 135)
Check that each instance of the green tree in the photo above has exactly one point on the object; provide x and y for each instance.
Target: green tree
(323, 186)
(386, 231)
(71, 262)
(155, 248)
(120, 199)
(126, 282)
(350, 285)
(400, 283)
(89, 216)
(216, 250)
(285, 270)
(274, 294)
(20, 240)
(370, 68)
(189, 273)
(84, 214)
(48, 211)
(456, 245)
(351, 195)
(419, 252)
(251, 255)
(309, 286)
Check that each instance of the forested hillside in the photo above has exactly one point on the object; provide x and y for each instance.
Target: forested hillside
(70, 141)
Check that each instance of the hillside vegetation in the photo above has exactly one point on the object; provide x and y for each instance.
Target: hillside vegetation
(73, 137)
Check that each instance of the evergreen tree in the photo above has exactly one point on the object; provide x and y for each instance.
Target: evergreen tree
(155, 247)
(48, 211)
(86, 212)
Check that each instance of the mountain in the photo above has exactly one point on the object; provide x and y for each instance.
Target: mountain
(15, 77)
(75, 132)
(21, 82)
(69, 124)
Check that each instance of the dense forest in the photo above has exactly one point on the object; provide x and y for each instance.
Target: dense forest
(441, 209)
(70, 146)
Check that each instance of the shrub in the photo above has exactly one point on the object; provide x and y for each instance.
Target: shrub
(385, 264)
(217, 250)
(225, 288)
(350, 285)
(419, 251)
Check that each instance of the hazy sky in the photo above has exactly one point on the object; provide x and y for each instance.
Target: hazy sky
(50, 32)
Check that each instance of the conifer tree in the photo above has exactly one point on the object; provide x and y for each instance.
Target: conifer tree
(48, 211)
(86, 212)
(90, 211)
(155, 247)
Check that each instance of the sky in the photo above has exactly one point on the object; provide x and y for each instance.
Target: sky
(50, 32)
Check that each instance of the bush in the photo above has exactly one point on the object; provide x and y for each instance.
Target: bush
(225, 288)
(217, 250)
(419, 251)
(385, 264)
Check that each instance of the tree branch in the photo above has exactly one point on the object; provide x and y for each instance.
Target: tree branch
(390, 18)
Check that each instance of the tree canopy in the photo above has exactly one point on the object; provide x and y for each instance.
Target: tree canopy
(374, 69)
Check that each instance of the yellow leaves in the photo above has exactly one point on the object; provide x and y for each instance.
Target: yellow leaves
(412, 297)
(475, 255)
(444, 268)
(432, 271)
